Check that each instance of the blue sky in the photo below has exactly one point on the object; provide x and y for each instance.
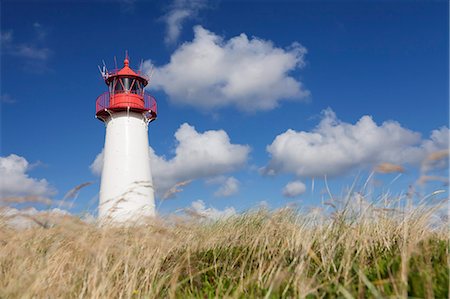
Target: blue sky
(318, 69)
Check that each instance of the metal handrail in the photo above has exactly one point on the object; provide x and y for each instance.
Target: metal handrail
(103, 102)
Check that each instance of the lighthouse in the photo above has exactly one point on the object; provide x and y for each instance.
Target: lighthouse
(126, 188)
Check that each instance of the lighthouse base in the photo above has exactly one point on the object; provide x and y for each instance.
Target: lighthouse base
(126, 189)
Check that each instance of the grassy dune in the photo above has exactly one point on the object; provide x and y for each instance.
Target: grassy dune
(348, 251)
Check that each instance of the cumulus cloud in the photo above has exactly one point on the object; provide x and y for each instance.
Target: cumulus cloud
(16, 182)
(249, 73)
(294, 189)
(197, 156)
(180, 11)
(199, 209)
(335, 147)
(230, 186)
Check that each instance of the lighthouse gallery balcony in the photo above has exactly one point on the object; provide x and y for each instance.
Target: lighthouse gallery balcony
(125, 101)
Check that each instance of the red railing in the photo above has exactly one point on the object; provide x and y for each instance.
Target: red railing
(102, 104)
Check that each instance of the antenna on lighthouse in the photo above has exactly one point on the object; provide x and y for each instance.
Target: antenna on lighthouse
(115, 62)
(103, 70)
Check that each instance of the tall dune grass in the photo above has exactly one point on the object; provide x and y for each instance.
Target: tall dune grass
(352, 249)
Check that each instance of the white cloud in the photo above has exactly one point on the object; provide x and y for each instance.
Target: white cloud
(27, 218)
(294, 189)
(335, 147)
(229, 187)
(199, 209)
(174, 24)
(197, 156)
(438, 141)
(250, 74)
(180, 11)
(15, 182)
(97, 166)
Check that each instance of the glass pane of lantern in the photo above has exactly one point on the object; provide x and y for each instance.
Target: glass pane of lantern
(126, 83)
(118, 85)
(136, 88)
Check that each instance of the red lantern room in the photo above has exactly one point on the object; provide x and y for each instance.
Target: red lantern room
(125, 93)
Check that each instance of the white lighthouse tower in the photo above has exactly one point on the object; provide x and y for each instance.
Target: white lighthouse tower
(126, 189)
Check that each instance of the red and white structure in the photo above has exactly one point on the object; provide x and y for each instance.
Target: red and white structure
(126, 189)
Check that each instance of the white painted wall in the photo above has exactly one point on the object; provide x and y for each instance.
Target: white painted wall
(126, 189)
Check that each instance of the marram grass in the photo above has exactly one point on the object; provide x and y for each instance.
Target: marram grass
(354, 252)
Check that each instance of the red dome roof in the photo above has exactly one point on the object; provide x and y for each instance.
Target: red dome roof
(126, 71)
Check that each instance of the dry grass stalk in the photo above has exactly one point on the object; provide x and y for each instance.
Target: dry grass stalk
(176, 189)
(389, 168)
(364, 250)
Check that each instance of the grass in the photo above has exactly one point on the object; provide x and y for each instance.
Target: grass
(347, 250)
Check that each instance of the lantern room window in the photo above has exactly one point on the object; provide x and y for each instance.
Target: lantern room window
(118, 85)
(126, 83)
(136, 87)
